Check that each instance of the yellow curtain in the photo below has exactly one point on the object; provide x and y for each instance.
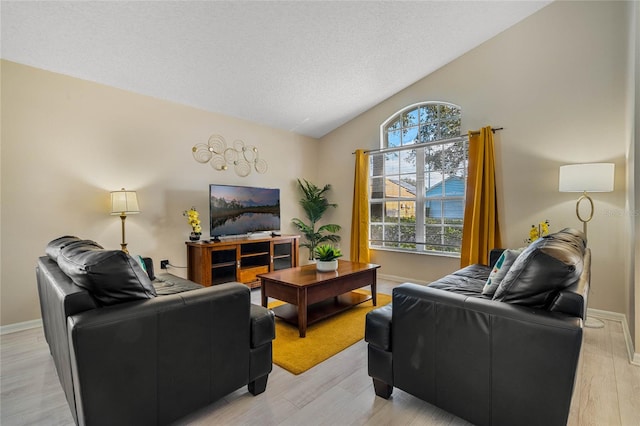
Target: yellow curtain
(481, 230)
(360, 213)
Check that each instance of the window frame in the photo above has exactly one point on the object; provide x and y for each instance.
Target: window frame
(420, 244)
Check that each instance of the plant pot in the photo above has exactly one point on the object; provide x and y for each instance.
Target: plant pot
(327, 265)
(194, 236)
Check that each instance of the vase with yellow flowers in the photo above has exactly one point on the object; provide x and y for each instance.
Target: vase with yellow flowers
(539, 231)
(193, 218)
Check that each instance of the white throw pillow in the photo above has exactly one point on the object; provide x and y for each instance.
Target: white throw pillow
(499, 271)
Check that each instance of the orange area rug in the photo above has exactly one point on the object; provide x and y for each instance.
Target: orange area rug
(324, 339)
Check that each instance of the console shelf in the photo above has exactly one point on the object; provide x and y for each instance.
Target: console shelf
(210, 263)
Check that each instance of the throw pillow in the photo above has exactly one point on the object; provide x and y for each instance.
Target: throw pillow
(549, 264)
(111, 276)
(499, 271)
(55, 246)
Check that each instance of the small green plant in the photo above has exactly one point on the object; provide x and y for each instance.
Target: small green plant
(326, 252)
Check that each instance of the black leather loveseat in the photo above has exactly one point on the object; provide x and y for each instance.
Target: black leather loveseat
(506, 359)
(127, 356)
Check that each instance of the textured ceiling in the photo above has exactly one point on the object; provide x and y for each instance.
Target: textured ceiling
(302, 66)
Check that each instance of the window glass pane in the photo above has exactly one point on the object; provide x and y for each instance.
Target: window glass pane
(391, 163)
(432, 235)
(392, 187)
(377, 187)
(428, 113)
(448, 111)
(433, 185)
(433, 211)
(453, 211)
(393, 138)
(433, 158)
(409, 135)
(394, 125)
(407, 237)
(410, 118)
(453, 186)
(406, 187)
(391, 211)
(391, 233)
(449, 129)
(453, 157)
(429, 132)
(408, 211)
(407, 161)
(376, 233)
(453, 237)
(375, 212)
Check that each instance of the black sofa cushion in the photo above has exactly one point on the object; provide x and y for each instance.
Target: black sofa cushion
(549, 264)
(111, 276)
(468, 281)
(166, 284)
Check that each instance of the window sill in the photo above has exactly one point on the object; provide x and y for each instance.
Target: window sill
(419, 253)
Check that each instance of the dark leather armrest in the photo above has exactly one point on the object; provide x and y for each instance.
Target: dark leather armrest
(378, 327)
(263, 327)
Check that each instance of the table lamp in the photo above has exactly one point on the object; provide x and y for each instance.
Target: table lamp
(124, 203)
(594, 177)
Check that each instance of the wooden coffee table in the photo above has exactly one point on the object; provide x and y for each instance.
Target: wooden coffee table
(312, 296)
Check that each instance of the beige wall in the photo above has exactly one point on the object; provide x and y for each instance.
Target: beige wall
(556, 82)
(66, 143)
(634, 178)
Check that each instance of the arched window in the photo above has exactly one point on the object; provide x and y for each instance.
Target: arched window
(418, 180)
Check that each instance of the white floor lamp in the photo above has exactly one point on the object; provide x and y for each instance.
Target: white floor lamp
(593, 177)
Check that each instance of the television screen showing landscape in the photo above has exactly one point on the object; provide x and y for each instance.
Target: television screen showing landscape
(237, 210)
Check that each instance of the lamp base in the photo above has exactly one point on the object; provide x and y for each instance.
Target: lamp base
(584, 221)
(123, 244)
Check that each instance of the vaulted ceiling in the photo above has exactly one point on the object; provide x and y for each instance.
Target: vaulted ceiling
(302, 66)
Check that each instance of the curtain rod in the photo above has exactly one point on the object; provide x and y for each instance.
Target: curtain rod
(477, 132)
(440, 141)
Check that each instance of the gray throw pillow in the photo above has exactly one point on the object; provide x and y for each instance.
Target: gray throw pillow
(549, 264)
(111, 276)
(499, 271)
(55, 246)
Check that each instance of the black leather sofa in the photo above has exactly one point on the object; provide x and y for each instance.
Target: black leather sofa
(507, 359)
(134, 349)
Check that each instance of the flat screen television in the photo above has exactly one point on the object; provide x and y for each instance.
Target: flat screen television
(242, 210)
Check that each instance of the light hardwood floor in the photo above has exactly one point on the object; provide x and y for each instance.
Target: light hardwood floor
(336, 392)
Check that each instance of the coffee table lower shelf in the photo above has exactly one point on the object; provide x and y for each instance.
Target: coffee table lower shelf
(321, 310)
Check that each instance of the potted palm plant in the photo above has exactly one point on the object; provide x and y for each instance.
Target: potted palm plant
(327, 257)
(314, 203)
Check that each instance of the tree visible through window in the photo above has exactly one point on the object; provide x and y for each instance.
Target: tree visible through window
(418, 180)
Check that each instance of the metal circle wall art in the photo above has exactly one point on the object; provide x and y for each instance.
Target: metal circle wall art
(242, 157)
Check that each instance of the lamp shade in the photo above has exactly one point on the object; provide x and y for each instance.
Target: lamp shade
(594, 177)
(124, 202)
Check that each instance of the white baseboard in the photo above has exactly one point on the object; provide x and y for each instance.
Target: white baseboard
(634, 358)
(20, 326)
(397, 279)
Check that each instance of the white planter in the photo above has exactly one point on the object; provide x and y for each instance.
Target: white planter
(327, 266)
